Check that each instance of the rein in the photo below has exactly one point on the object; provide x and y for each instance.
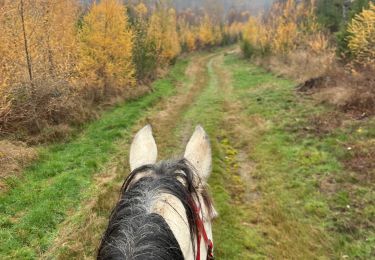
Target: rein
(201, 232)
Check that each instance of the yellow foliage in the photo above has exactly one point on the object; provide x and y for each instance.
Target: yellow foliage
(190, 40)
(155, 31)
(318, 42)
(362, 36)
(163, 32)
(171, 44)
(37, 41)
(186, 35)
(141, 9)
(106, 46)
(285, 36)
(206, 34)
(256, 34)
(289, 25)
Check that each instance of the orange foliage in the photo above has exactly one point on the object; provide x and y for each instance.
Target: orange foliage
(163, 32)
(206, 32)
(106, 46)
(187, 36)
(288, 26)
(37, 41)
(362, 36)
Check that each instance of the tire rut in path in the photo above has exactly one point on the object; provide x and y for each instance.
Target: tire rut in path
(170, 112)
(239, 133)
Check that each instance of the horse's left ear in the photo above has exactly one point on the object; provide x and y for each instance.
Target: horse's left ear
(198, 153)
(143, 150)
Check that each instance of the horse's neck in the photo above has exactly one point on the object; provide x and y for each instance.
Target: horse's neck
(173, 211)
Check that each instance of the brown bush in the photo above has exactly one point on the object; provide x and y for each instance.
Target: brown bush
(300, 65)
(13, 157)
(49, 104)
(352, 91)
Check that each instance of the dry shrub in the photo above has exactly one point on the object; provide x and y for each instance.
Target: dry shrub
(300, 65)
(48, 105)
(352, 91)
(362, 100)
(14, 156)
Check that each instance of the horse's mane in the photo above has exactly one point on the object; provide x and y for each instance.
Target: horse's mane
(134, 231)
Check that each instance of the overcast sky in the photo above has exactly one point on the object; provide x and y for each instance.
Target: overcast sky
(253, 4)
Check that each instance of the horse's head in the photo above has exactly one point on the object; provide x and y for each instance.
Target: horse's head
(164, 211)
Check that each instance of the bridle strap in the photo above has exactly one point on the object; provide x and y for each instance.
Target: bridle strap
(201, 232)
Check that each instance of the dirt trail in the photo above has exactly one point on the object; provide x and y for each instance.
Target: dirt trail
(169, 112)
(173, 120)
(78, 236)
(237, 129)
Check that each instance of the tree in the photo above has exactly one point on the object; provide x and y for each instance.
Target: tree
(37, 41)
(106, 47)
(361, 40)
(38, 57)
(163, 32)
(144, 50)
(171, 45)
(186, 35)
(206, 34)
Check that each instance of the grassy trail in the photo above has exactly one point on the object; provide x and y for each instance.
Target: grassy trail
(266, 180)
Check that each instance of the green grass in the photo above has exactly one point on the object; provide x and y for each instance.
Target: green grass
(55, 184)
(303, 220)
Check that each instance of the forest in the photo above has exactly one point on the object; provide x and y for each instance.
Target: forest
(59, 59)
(284, 88)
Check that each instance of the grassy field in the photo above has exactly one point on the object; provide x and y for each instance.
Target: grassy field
(284, 180)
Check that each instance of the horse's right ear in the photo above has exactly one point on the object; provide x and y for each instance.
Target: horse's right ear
(143, 150)
(198, 153)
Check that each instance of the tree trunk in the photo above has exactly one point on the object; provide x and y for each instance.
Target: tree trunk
(26, 45)
(345, 10)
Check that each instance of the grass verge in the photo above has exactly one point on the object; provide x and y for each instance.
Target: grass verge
(311, 205)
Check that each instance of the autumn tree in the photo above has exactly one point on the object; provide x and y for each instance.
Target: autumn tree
(361, 40)
(163, 32)
(186, 35)
(144, 50)
(256, 38)
(206, 33)
(171, 43)
(37, 50)
(37, 40)
(106, 47)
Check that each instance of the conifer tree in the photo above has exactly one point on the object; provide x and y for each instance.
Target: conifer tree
(106, 47)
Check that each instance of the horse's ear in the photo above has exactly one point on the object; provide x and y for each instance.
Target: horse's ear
(143, 150)
(198, 153)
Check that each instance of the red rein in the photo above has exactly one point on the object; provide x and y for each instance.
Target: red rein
(201, 232)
